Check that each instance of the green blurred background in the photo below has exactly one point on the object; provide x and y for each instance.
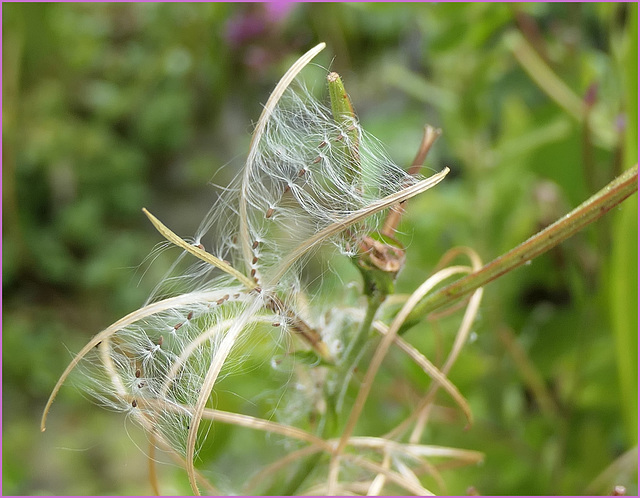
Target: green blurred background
(112, 107)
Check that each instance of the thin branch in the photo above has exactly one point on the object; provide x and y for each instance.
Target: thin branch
(429, 137)
(588, 212)
(151, 461)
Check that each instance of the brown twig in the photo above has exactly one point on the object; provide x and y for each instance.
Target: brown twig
(430, 135)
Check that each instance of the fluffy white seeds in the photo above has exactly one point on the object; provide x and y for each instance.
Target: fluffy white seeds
(300, 188)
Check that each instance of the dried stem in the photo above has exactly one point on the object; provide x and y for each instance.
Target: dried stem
(426, 402)
(376, 362)
(429, 137)
(197, 252)
(151, 460)
(207, 385)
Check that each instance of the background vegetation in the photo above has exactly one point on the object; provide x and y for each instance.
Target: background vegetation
(112, 107)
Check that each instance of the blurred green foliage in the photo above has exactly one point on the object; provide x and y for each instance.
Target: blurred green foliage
(112, 107)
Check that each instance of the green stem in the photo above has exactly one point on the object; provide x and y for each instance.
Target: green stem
(550, 83)
(589, 211)
(624, 264)
(330, 429)
(357, 345)
(304, 470)
(544, 76)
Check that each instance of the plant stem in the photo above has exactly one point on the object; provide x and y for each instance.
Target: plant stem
(589, 211)
(544, 76)
(304, 471)
(357, 345)
(342, 371)
(429, 137)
